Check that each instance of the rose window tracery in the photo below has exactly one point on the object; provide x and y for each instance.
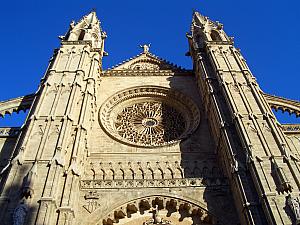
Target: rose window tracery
(149, 116)
(150, 123)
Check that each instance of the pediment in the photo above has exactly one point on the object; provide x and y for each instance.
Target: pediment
(147, 62)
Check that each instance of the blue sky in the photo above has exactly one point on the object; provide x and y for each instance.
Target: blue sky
(267, 32)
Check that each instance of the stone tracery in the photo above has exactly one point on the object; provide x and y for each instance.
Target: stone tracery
(149, 116)
(150, 123)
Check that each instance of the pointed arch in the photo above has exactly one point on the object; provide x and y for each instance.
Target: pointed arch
(178, 173)
(119, 174)
(158, 174)
(149, 174)
(81, 35)
(139, 174)
(169, 173)
(110, 174)
(215, 35)
(101, 175)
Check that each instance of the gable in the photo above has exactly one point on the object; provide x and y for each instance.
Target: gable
(145, 61)
(144, 64)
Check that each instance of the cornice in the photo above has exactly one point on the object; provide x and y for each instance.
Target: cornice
(134, 73)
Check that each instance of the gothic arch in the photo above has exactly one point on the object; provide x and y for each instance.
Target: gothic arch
(185, 209)
(215, 35)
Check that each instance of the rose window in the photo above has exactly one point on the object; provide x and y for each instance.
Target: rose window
(149, 116)
(150, 123)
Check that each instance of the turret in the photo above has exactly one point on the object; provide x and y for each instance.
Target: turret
(87, 29)
(205, 30)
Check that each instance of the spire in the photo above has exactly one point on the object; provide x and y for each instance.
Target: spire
(92, 18)
(205, 29)
(86, 29)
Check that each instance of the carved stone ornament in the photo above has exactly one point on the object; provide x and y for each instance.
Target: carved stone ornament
(19, 214)
(294, 204)
(149, 116)
(152, 205)
(156, 219)
(144, 66)
(92, 201)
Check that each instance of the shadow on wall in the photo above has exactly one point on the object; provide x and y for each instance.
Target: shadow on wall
(15, 210)
(199, 160)
(13, 204)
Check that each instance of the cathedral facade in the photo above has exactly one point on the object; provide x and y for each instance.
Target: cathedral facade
(148, 142)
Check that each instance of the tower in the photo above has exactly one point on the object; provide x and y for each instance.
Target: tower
(256, 154)
(148, 142)
(52, 144)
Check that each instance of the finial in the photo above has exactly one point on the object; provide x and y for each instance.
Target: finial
(72, 24)
(145, 48)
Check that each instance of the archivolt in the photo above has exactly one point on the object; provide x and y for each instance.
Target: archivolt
(186, 209)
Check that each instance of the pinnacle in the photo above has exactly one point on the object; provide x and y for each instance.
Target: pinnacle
(91, 18)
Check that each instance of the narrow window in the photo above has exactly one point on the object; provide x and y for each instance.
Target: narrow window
(81, 35)
(215, 36)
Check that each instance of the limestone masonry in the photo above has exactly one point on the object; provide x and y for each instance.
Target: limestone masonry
(148, 142)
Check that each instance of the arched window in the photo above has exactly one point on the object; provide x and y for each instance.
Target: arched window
(215, 36)
(81, 35)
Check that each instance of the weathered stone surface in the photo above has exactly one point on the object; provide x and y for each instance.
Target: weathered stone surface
(148, 142)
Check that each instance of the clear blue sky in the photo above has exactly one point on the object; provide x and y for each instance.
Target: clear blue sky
(267, 32)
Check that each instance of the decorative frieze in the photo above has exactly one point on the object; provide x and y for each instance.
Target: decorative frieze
(152, 183)
(134, 72)
(16, 104)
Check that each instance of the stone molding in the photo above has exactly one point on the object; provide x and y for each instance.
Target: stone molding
(133, 73)
(167, 203)
(170, 96)
(153, 183)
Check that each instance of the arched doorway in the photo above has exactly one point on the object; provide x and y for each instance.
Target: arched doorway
(160, 210)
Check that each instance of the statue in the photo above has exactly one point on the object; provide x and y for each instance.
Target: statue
(294, 204)
(145, 48)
